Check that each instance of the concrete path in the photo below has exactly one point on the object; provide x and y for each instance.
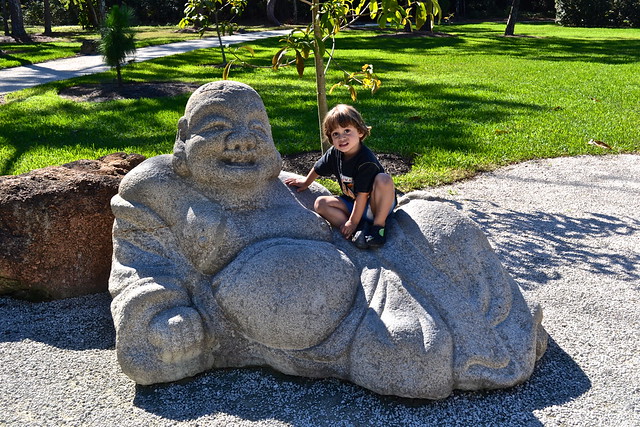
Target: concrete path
(17, 78)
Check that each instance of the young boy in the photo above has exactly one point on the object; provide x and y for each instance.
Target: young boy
(368, 193)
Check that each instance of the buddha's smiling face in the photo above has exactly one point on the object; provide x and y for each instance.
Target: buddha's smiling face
(227, 139)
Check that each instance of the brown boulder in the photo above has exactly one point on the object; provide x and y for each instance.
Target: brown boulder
(55, 228)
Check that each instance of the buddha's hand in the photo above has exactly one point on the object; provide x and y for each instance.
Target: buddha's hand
(178, 333)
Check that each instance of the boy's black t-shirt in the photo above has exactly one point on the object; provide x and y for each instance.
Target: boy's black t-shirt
(355, 175)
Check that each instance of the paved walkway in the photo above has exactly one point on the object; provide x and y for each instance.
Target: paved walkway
(17, 78)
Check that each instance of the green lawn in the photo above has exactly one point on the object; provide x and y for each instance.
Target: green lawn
(456, 105)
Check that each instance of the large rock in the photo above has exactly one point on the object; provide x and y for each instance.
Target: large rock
(55, 228)
(218, 263)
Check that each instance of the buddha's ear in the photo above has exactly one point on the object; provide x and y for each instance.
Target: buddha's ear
(183, 129)
(179, 160)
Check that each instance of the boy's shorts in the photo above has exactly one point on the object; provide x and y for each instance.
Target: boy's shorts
(368, 213)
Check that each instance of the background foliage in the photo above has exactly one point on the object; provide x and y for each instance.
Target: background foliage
(598, 13)
(589, 13)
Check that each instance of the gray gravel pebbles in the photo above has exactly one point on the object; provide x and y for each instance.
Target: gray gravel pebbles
(567, 229)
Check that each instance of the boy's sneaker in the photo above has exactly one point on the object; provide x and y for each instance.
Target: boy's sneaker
(376, 236)
(359, 237)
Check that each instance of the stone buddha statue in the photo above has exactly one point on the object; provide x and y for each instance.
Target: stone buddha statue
(218, 263)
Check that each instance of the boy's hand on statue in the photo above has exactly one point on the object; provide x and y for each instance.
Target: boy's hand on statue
(297, 182)
(179, 333)
(348, 229)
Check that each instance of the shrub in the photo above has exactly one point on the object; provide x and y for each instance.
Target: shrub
(117, 37)
(598, 13)
(626, 13)
(33, 11)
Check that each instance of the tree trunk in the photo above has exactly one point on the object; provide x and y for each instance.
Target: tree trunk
(271, 9)
(92, 14)
(224, 56)
(119, 75)
(321, 88)
(103, 11)
(295, 11)
(17, 21)
(513, 16)
(47, 17)
(5, 17)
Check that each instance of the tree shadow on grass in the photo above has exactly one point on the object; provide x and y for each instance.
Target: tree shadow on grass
(438, 123)
(68, 126)
(8, 57)
(611, 51)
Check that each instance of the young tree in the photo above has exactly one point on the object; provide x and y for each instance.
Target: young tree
(328, 18)
(206, 13)
(117, 39)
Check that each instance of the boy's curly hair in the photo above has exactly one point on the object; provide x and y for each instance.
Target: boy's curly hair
(344, 115)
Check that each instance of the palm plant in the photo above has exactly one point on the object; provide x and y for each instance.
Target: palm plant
(117, 39)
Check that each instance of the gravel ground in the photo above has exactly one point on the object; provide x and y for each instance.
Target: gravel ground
(567, 229)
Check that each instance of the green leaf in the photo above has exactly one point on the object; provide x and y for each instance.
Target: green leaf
(276, 61)
(373, 9)
(421, 15)
(333, 87)
(225, 72)
(299, 64)
(354, 94)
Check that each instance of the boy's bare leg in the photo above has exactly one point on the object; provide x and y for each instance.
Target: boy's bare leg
(332, 209)
(382, 198)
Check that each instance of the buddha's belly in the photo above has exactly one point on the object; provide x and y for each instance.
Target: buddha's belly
(286, 293)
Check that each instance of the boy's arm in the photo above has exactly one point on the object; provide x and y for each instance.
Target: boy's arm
(359, 205)
(303, 183)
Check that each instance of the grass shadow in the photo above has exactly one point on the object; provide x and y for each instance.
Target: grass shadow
(610, 52)
(551, 48)
(97, 127)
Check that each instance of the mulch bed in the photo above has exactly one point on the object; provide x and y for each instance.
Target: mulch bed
(112, 91)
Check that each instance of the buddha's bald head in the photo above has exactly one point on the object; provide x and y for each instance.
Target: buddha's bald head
(222, 92)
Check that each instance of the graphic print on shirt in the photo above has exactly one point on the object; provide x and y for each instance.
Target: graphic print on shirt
(346, 184)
